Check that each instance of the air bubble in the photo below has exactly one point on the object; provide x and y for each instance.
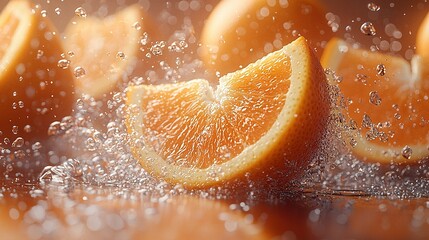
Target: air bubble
(368, 28)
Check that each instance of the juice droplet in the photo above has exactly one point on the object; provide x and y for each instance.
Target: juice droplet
(80, 12)
(79, 72)
(374, 98)
(368, 28)
(407, 152)
(381, 69)
(373, 7)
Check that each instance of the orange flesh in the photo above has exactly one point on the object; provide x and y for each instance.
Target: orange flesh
(219, 129)
(404, 105)
(7, 32)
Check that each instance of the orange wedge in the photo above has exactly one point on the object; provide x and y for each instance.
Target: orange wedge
(34, 91)
(106, 51)
(387, 101)
(262, 122)
(240, 32)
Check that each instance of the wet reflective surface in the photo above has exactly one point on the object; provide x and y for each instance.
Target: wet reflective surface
(30, 212)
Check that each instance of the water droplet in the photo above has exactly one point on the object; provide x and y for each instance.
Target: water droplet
(373, 7)
(80, 12)
(63, 63)
(368, 28)
(407, 152)
(120, 55)
(353, 142)
(137, 26)
(397, 116)
(57, 11)
(36, 146)
(19, 142)
(15, 129)
(366, 121)
(145, 39)
(361, 78)
(381, 69)
(70, 53)
(54, 128)
(43, 13)
(348, 28)
(374, 98)
(66, 123)
(27, 128)
(156, 49)
(372, 134)
(79, 72)
(39, 54)
(178, 46)
(91, 144)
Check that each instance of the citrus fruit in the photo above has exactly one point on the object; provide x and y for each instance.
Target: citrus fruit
(34, 91)
(422, 47)
(264, 121)
(240, 32)
(106, 51)
(386, 100)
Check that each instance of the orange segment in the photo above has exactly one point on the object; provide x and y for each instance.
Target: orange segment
(107, 49)
(240, 32)
(34, 91)
(265, 120)
(390, 108)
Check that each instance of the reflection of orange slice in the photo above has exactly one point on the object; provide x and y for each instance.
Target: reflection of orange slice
(106, 49)
(240, 32)
(263, 121)
(390, 108)
(34, 91)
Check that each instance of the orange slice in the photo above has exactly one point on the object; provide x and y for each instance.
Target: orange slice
(106, 51)
(387, 101)
(422, 46)
(262, 122)
(240, 32)
(34, 91)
